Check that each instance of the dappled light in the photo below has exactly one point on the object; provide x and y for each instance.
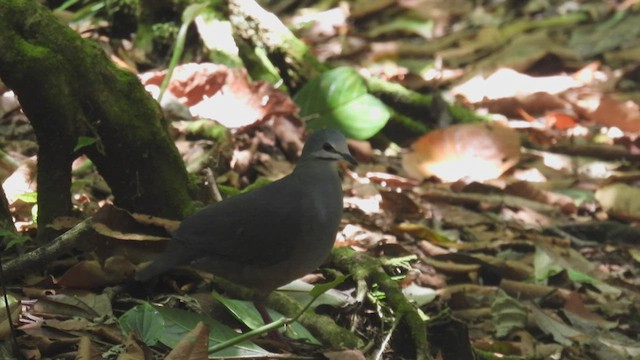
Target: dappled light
(415, 179)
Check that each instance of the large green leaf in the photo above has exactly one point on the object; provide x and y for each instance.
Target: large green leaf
(246, 312)
(169, 326)
(145, 320)
(339, 99)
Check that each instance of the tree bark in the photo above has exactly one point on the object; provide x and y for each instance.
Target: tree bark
(294, 60)
(69, 88)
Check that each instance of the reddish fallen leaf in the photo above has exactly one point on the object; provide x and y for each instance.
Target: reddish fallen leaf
(623, 114)
(476, 152)
(560, 121)
(225, 95)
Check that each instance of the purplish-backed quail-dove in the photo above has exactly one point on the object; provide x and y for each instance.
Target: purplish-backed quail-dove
(270, 236)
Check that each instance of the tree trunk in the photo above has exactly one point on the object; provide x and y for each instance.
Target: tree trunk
(69, 88)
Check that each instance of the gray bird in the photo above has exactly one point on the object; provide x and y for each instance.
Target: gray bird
(271, 236)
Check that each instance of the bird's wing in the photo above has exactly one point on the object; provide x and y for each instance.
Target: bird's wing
(254, 228)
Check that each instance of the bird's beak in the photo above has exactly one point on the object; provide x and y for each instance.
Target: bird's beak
(349, 158)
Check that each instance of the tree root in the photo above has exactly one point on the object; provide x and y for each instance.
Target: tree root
(368, 270)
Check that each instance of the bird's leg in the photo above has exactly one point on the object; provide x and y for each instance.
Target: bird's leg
(274, 335)
(262, 310)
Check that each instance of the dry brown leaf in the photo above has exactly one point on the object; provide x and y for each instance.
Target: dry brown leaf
(400, 205)
(134, 349)
(477, 152)
(576, 309)
(86, 350)
(89, 274)
(193, 346)
(63, 306)
(505, 268)
(117, 223)
(530, 191)
(449, 266)
(623, 114)
(529, 291)
(225, 95)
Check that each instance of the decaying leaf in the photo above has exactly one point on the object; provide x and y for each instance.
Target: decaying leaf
(508, 314)
(620, 199)
(477, 152)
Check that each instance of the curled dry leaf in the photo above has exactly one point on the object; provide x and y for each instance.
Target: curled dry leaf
(222, 94)
(117, 223)
(530, 191)
(477, 152)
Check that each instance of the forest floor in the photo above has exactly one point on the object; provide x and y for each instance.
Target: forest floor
(524, 230)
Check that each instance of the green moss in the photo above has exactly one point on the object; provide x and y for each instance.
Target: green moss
(165, 33)
(131, 7)
(464, 115)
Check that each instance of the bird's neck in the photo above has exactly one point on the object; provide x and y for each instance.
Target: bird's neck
(317, 168)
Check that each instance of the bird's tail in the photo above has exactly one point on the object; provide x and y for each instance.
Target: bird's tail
(151, 270)
(174, 255)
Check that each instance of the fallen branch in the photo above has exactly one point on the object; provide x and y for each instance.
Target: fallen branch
(41, 256)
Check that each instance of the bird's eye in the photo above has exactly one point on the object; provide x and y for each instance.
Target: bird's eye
(327, 147)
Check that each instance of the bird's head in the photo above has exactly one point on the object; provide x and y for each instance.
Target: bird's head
(327, 144)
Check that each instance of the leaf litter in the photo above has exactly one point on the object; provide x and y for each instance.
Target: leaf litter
(538, 259)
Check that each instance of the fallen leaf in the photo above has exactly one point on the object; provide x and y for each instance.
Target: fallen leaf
(477, 152)
(222, 94)
(623, 114)
(192, 346)
(508, 314)
(560, 121)
(621, 199)
(505, 83)
(561, 332)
